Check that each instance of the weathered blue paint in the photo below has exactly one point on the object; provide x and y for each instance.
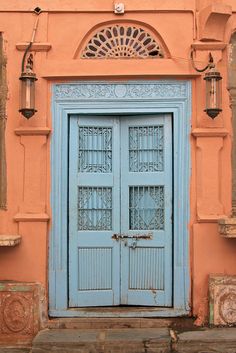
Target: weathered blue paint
(144, 97)
(146, 185)
(94, 257)
(120, 182)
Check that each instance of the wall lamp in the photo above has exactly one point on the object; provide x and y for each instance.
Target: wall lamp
(28, 78)
(27, 90)
(213, 87)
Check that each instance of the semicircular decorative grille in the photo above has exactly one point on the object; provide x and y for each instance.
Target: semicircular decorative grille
(122, 41)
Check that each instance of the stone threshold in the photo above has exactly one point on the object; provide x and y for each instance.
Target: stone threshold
(109, 323)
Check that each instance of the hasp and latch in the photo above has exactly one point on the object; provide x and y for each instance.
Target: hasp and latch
(134, 237)
(121, 236)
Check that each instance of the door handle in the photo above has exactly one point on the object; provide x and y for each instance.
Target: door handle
(121, 236)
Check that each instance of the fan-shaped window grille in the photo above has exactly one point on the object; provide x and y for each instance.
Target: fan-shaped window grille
(122, 41)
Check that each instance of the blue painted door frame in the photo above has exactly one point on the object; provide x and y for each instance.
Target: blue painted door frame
(142, 97)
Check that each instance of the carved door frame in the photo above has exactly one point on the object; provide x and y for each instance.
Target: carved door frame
(131, 97)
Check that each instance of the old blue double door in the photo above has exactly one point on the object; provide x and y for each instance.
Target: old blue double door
(120, 210)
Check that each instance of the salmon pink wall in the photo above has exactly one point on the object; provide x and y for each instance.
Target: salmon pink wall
(63, 26)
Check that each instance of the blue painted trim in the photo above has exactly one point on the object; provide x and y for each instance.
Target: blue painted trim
(132, 97)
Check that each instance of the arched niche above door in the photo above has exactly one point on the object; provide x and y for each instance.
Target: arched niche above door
(119, 40)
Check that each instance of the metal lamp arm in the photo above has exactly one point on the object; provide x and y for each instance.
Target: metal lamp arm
(208, 66)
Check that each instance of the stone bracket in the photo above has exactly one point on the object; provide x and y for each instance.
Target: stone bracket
(212, 20)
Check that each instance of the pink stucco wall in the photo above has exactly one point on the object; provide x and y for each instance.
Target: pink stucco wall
(63, 26)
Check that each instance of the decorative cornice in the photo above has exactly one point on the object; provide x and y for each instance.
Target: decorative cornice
(205, 218)
(32, 131)
(34, 47)
(205, 132)
(31, 217)
(121, 91)
(208, 45)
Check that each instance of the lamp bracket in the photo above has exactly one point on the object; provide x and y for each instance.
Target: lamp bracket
(210, 64)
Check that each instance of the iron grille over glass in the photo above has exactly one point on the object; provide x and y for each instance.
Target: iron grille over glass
(146, 207)
(146, 146)
(94, 208)
(95, 149)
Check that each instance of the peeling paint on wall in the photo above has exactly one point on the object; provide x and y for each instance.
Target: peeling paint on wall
(3, 90)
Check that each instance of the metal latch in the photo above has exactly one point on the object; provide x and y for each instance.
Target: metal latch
(132, 236)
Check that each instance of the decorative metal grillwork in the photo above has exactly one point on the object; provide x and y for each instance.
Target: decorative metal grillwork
(146, 207)
(146, 148)
(122, 41)
(95, 149)
(94, 208)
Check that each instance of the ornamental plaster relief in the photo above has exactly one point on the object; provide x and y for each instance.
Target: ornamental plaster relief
(222, 290)
(20, 310)
(116, 91)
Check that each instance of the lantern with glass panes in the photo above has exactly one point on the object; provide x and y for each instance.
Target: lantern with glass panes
(27, 90)
(28, 77)
(213, 81)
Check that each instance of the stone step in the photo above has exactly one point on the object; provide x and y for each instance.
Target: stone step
(103, 341)
(216, 340)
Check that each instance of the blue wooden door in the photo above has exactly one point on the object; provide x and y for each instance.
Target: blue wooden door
(146, 199)
(120, 206)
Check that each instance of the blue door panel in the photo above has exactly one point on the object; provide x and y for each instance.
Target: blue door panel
(146, 198)
(93, 212)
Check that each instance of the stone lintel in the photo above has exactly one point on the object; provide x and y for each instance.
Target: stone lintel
(227, 227)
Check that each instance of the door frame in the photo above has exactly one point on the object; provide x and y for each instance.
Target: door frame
(120, 98)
